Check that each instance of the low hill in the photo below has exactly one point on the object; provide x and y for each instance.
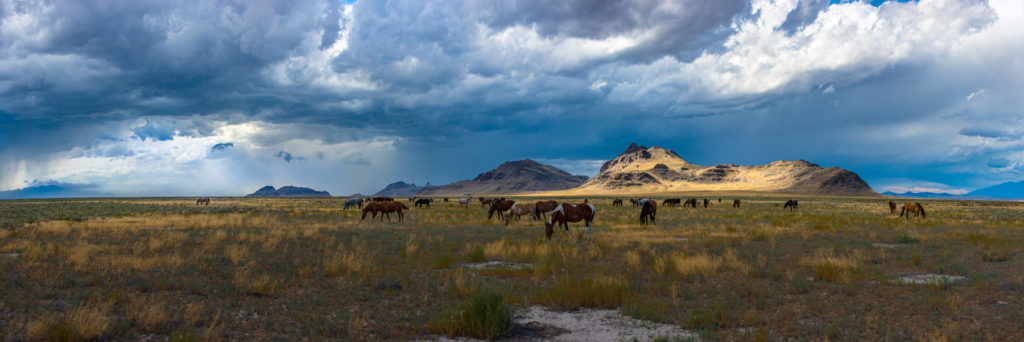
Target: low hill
(511, 177)
(288, 191)
(401, 189)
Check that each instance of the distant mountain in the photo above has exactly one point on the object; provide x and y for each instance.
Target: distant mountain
(930, 195)
(58, 190)
(288, 191)
(650, 170)
(400, 189)
(1009, 190)
(511, 177)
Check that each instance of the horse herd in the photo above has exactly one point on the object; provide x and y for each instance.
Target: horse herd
(557, 215)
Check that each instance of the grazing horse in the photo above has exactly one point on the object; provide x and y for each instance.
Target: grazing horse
(914, 208)
(423, 201)
(385, 209)
(736, 203)
(544, 207)
(565, 213)
(671, 202)
(617, 202)
(690, 203)
(707, 203)
(520, 209)
(465, 201)
(791, 204)
(351, 202)
(892, 207)
(372, 207)
(719, 200)
(647, 212)
(501, 207)
(446, 200)
(634, 202)
(383, 199)
(203, 201)
(486, 202)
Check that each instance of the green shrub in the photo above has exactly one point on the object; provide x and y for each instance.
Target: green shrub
(485, 316)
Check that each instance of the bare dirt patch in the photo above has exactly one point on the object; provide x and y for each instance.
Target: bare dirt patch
(496, 263)
(598, 325)
(930, 279)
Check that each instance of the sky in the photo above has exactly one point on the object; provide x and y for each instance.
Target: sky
(212, 97)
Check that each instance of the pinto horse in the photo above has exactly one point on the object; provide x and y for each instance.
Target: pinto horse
(736, 203)
(520, 209)
(544, 207)
(914, 208)
(647, 211)
(352, 202)
(791, 204)
(892, 207)
(501, 207)
(203, 201)
(617, 202)
(565, 213)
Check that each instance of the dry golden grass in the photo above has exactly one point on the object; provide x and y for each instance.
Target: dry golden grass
(303, 269)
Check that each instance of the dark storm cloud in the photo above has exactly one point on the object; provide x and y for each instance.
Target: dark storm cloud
(222, 146)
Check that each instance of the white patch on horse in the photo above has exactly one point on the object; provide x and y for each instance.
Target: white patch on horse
(592, 209)
(557, 209)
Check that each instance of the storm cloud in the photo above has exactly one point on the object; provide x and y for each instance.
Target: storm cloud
(136, 97)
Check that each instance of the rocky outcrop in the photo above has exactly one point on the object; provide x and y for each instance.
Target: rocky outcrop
(288, 191)
(401, 189)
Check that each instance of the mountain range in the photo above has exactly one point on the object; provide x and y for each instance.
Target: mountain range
(1003, 191)
(511, 177)
(288, 191)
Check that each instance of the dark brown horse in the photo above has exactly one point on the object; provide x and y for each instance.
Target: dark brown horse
(544, 207)
(707, 202)
(671, 202)
(617, 202)
(648, 211)
(486, 202)
(736, 203)
(203, 201)
(892, 207)
(383, 199)
(914, 208)
(501, 207)
(385, 209)
(565, 213)
(635, 202)
(423, 201)
(791, 204)
(690, 203)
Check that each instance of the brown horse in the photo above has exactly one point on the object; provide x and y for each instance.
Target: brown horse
(647, 212)
(736, 203)
(914, 208)
(501, 207)
(385, 209)
(690, 203)
(791, 204)
(892, 207)
(203, 201)
(617, 202)
(671, 202)
(383, 199)
(635, 202)
(565, 213)
(372, 207)
(486, 202)
(544, 207)
(707, 202)
(520, 209)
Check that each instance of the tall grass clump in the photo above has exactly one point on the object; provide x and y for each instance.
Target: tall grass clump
(571, 293)
(837, 269)
(485, 316)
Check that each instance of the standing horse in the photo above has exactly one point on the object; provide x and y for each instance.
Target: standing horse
(544, 207)
(791, 204)
(892, 207)
(520, 209)
(914, 208)
(203, 200)
(634, 202)
(565, 213)
(464, 202)
(736, 203)
(486, 202)
(617, 202)
(707, 203)
(446, 200)
(423, 201)
(647, 211)
(501, 207)
(671, 202)
(383, 199)
(690, 203)
(351, 202)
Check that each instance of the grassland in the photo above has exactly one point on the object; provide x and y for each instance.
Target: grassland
(285, 269)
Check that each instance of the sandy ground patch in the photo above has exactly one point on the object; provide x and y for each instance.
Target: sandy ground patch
(496, 263)
(930, 279)
(540, 324)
